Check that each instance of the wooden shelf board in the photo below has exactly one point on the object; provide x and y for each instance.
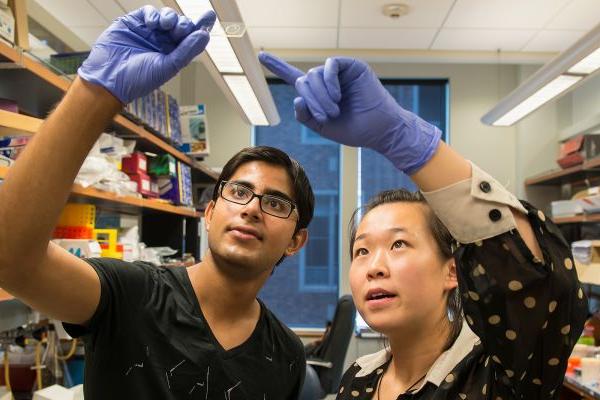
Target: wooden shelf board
(127, 200)
(547, 177)
(12, 123)
(584, 392)
(577, 219)
(62, 83)
(206, 170)
(144, 134)
(554, 177)
(4, 295)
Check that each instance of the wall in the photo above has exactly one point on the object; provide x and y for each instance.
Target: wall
(537, 145)
(586, 100)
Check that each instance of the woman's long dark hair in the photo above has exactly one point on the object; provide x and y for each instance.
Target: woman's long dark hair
(442, 237)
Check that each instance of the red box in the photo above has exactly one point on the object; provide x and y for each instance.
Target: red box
(135, 164)
(153, 188)
(143, 183)
(571, 152)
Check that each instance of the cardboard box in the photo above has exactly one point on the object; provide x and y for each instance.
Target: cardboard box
(163, 165)
(578, 149)
(135, 164)
(143, 183)
(168, 188)
(566, 208)
(194, 130)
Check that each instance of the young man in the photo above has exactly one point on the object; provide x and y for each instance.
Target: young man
(157, 333)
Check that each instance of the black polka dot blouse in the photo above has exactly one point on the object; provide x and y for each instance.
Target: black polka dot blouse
(523, 317)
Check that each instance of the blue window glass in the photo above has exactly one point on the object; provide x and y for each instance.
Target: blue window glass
(303, 290)
(427, 99)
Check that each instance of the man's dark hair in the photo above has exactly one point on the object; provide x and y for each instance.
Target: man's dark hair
(440, 233)
(303, 194)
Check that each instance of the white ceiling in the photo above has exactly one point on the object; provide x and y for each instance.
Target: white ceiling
(451, 25)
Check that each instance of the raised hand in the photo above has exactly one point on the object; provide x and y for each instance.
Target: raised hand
(142, 50)
(344, 101)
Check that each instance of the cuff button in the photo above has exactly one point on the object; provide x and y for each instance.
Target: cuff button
(485, 187)
(495, 215)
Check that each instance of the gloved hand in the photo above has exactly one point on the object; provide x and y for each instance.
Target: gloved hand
(142, 50)
(344, 101)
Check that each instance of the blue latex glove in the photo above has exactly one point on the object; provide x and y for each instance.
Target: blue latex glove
(344, 101)
(142, 50)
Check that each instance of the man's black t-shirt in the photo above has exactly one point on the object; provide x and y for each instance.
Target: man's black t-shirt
(148, 339)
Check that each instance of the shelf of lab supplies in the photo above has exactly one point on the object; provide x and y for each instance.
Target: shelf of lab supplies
(559, 176)
(12, 123)
(26, 61)
(136, 202)
(577, 219)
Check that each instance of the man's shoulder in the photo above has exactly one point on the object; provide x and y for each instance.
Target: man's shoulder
(115, 270)
(114, 265)
(281, 330)
(106, 262)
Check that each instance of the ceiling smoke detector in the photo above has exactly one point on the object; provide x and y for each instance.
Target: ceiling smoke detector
(395, 10)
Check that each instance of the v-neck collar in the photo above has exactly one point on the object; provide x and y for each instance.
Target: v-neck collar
(197, 310)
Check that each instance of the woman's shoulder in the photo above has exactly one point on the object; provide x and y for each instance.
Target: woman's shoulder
(369, 363)
(363, 374)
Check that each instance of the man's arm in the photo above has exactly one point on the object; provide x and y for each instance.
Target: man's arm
(31, 199)
(136, 54)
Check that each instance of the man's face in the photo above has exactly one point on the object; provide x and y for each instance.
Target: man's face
(243, 236)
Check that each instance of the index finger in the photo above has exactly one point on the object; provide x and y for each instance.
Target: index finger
(283, 70)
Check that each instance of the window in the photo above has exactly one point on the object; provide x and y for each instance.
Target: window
(426, 98)
(303, 290)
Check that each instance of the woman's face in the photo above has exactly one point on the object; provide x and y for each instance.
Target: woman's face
(397, 276)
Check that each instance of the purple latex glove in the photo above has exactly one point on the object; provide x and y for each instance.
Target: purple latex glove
(142, 50)
(344, 101)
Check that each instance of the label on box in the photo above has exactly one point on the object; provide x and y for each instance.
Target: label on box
(145, 185)
(143, 164)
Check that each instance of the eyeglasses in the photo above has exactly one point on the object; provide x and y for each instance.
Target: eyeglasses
(269, 204)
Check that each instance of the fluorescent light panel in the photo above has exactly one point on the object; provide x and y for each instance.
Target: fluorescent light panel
(588, 65)
(244, 94)
(219, 49)
(536, 100)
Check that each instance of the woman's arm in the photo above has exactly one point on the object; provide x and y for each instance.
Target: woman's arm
(447, 167)
(523, 298)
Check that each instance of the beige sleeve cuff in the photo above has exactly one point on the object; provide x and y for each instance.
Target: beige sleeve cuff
(475, 209)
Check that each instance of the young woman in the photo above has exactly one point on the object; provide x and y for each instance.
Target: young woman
(416, 257)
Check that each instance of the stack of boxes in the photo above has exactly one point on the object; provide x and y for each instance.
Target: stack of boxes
(135, 166)
(75, 230)
(118, 234)
(174, 179)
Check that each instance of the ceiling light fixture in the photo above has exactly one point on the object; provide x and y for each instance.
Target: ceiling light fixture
(232, 62)
(566, 71)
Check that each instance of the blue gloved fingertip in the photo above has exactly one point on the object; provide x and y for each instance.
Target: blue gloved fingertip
(206, 21)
